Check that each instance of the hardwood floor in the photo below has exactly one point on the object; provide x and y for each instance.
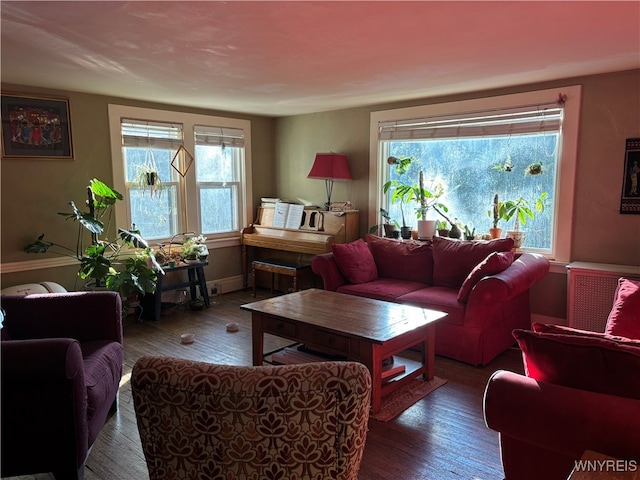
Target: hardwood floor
(441, 437)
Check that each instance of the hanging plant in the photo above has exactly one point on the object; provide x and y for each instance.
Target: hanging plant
(148, 176)
(506, 167)
(534, 169)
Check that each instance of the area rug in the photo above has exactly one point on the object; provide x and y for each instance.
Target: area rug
(398, 401)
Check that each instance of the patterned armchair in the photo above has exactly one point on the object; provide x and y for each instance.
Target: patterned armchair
(199, 420)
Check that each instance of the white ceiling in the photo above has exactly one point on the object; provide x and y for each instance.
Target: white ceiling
(289, 57)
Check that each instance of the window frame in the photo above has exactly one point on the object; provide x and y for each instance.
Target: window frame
(188, 200)
(568, 147)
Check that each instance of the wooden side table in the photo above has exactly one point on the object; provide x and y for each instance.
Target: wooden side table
(280, 267)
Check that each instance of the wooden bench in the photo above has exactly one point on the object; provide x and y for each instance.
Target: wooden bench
(280, 267)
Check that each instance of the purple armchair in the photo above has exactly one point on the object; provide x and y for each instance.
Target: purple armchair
(61, 366)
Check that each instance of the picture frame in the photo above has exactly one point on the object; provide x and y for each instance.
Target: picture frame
(630, 199)
(35, 127)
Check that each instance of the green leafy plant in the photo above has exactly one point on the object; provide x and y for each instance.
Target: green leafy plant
(387, 221)
(119, 264)
(405, 193)
(521, 210)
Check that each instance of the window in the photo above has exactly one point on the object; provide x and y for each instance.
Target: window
(479, 148)
(205, 192)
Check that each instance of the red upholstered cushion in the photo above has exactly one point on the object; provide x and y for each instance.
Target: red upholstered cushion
(624, 319)
(495, 262)
(355, 261)
(578, 361)
(563, 330)
(411, 261)
(453, 260)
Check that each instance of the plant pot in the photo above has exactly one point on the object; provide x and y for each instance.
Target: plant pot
(443, 232)
(395, 234)
(518, 238)
(405, 232)
(495, 232)
(389, 228)
(455, 232)
(426, 229)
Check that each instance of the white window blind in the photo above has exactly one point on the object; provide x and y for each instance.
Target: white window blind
(219, 136)
(137, 133)
(513, 121)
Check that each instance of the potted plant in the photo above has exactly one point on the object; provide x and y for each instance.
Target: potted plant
(428, 199)
(520, 210)
(194, 249)
(495, 232)
(534, 169)
(469, 234)
(390, 226)
(148, 176)
(442, 228)
(105, 263)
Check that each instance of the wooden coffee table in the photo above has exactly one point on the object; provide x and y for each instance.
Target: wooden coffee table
(360, 329)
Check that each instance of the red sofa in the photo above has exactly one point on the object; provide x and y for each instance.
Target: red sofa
(484, 291)
(580, 391)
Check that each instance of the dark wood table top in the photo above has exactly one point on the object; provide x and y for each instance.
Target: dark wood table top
(375, 320)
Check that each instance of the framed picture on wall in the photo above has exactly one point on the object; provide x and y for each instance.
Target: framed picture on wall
(630, 201)
(35, 127)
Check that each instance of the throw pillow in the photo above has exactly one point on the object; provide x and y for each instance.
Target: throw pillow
(453, 260)
(355, 261)
(495, 262)
(402, 260)
(587, 363)
(624, 319)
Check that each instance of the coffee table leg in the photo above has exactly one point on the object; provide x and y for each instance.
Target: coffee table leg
(257, 338)
(375, 368)
(429, 352)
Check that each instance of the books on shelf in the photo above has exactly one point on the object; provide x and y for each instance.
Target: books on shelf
(288, 215)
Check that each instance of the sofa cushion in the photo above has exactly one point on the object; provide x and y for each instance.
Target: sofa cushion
(437, 298)
(453, 260)
(408, 260)
(388, 289)
(624, 319)
(587, 363)
(355, 261)
(495, 262)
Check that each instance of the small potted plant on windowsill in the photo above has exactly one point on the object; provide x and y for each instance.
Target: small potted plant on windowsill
(520, 210)
(495, 232)
(390, 226)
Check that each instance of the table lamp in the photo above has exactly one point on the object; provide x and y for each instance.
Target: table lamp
(330, 167)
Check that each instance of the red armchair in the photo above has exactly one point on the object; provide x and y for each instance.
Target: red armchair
(581, 392)
(61, 366)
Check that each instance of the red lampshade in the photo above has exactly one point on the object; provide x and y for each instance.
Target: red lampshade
(330, 166)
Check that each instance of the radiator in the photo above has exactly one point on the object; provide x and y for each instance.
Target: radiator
(591, 290)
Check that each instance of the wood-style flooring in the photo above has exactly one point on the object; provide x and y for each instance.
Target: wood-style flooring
(441, 437)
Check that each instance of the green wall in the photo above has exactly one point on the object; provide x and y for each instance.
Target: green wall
(283, 150)
(34, 190)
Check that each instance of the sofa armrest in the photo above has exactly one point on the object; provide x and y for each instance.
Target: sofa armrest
(79, 315)
(518, 278)
(561, 419)
(325, 265)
